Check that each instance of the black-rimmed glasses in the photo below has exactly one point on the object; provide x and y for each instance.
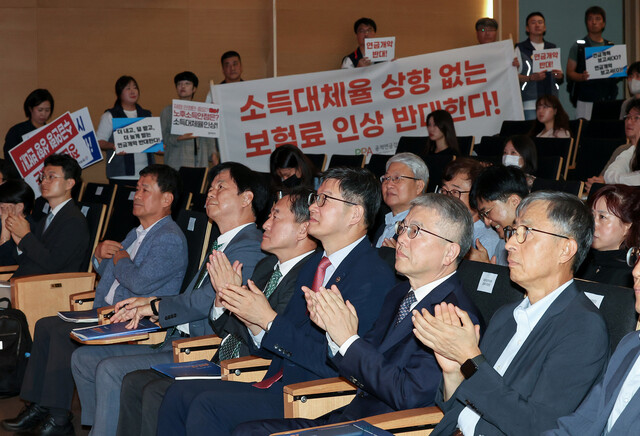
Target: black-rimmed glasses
(413, 230)
(522, 231)
(451, 192)
(321, 199)
(395, 179)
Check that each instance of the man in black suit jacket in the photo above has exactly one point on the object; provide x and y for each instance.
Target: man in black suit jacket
(538, 358)
(60, 241)
(390, 367)
(286, 238)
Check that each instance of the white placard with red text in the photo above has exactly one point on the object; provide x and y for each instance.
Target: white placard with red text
(380, 49)
(199, 119)
(366, 110)
(546, 60)
(59, 136)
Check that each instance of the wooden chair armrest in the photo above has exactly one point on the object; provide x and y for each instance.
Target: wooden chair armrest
(314, 387)
(191, 349)
(246, 369)
(102, 312)
(82, 300)
(405, 421)
(8, 269)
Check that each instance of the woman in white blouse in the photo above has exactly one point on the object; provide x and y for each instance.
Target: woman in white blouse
(626, 168)
(551, 119)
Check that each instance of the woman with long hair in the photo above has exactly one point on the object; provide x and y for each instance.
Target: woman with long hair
(551, 119)
(442, 134)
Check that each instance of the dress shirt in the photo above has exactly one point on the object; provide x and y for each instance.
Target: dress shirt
(141, 232)
(390, 226)
(337, 258)
(527, 316)
(627, 391)
(419, 293)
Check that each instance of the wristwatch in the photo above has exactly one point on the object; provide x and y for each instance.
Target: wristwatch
(470, 367)
(154, 308)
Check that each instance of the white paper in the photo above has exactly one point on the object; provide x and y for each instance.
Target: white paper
(99, 190)
(192, 224)
(595, 298)
(380, 49)
(606, 62)
(199, 119)
(140, 136)
(487, 281)
(546, 60)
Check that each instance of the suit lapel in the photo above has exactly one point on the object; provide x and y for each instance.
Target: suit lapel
(344, 268)
(615, 384)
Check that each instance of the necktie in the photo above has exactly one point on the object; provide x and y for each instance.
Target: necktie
(48, 221)
(403, 311)
(230, 347)
(318, 279)
(203, 271)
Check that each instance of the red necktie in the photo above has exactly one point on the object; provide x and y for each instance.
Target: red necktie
(264, 384)
(319, 277)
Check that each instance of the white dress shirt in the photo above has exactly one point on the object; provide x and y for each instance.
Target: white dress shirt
(627, 391)
(390, 226)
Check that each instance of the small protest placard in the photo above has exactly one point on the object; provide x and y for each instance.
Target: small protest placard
(605, 62)
(546, 60)
(380, 49)
(199, 119)
(137, 135)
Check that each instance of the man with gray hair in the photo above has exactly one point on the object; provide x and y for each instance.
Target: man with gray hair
(538, 358)
(392, 370)
(405, 178)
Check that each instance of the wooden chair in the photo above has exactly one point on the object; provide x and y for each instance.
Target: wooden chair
(102, 193)
(315, 398)
(318, 160)
(575, 126)
(46, 295)
(95, 214)
(574, 187)
(436, 164)
(606, 110)
(510, 127)
(593, 155)
(611, 129)
(121, 220)
(197, 229)
(193, 179)
(378, 164)
(412, 144)
(490, 146)
(550, 167)
(248, 369)
(7, 271)
(465, 143)
(556, 147)
(347, 160)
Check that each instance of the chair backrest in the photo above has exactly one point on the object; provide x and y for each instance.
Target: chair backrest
(436, 164)
(45, 295)
(197, 229)
(603, 129)
(488, 286)
(465, 143)
(378, 164)
(490, 146)
(318, 160)
(510, 127)
(122, 219)
(593, 155)
(550, 167)
(574, 187)
(595, 187)
(556, 147)
(193, 179)
(95, 214)
(606, 110)
(197, 202)
(347, 160)
(412, 144)
(617, 306)
(102, 193)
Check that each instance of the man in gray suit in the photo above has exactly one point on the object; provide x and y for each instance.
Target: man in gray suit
(234, 199)
(538, 358)
(151, 259)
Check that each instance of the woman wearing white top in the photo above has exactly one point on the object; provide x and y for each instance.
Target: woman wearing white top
(626, 168)
(123, 168)
(551, 119)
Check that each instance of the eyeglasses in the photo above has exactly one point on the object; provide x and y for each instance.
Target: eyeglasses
(321, 199)
(484, 214)
(395, 179)
(413, 230)
(451, 192)
(49, 177)
(632, 256)
(543, 106)
(634, 118)
(521, 233)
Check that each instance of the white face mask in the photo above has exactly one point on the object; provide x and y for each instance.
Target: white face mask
(509, 160)
(634, 86)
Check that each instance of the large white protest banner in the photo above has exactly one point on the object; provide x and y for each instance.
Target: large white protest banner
(366, 110)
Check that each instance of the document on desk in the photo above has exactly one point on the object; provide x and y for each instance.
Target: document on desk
(200, 369)
(113, 330)
(80, 316)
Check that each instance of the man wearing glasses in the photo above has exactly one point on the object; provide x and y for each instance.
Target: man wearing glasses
(392, 370)
(539, 358)
(60, 241)
(405, 178)
(613, 405)
(340, 213)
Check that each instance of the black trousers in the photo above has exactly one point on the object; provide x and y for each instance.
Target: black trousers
(140, 398)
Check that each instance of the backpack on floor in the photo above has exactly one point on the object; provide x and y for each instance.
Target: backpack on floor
(15, 346)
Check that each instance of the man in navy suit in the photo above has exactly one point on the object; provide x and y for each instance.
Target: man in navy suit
(341, 211)
(538, 358)
(613, 405)
(151, 259)
(392, 369)
(234, 199)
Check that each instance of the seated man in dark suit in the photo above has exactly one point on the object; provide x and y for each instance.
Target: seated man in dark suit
(344, 206)
(613, 405)
(151, 259)
(393, 370)
(537, 359)
(60, 242)
(234, 198)
(286, 238)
